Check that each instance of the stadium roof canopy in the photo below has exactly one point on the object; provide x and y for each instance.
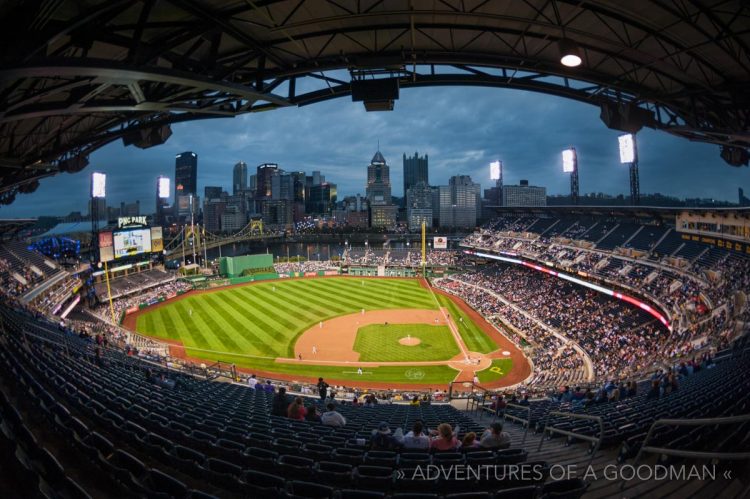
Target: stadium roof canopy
(75, 75)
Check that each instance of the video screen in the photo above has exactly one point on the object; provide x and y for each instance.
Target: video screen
(132, 242)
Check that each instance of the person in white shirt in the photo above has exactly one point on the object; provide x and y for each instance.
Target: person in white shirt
(416, 439)
(332, 417)
(252, 381)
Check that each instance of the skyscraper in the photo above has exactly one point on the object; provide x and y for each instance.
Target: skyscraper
(419, 205)
(185, 174)
(415, 171)
(524, 195)
(263, 180)
(378, 181)
(239, 178)
(458, 202)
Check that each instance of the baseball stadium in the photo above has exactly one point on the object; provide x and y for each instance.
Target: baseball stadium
(280, 341)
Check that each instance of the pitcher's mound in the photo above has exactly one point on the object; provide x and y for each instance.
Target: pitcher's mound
(409, 342)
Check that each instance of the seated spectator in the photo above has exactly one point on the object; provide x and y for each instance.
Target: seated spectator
(445, 439)
(312, 414)
(332, 417)
(494, 437)
(416, 438)
(415, 401)
(470, 441)
(383, 439)
(296, 410)
(524, 401)
(279, 404)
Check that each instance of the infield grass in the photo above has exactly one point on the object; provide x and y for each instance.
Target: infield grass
(378, 342)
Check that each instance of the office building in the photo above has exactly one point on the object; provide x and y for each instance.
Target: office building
(263, 180)
(130, 209)
(212, 192)
(213, 209)
(415, 171)
(459, 201)
(419, 205)
(233, 219)
(239, 178)
(378, 189)
(383, 215)
(185, 174)
(278, 213)
(524, 195)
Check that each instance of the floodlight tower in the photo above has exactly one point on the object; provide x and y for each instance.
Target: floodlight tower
(98, 191)
(570, 165)
(629, 155)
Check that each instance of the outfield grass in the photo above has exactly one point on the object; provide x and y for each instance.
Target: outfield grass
(378, 342)
(436, 375)
(256, 320)
(498, 369)
(474, 337)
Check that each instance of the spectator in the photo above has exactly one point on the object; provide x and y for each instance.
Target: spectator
(332, 417)
(494, 437)
(445, 439)
(525, 400)
(312, 414)
(296, 410)
(414, 401)
(470, 441)
(322, 389)
(383, 439)
(416, 438)
(279, 404)
(653, 393)
(252, 381)
(269, 387)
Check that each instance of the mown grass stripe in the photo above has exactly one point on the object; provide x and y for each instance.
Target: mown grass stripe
(188, 336)
(351, 305)
(197, 320)
(323, 301)
(353, 297)
(212, 326)
(224, 314)
(269, 331)
(380, 298)
(301, 308)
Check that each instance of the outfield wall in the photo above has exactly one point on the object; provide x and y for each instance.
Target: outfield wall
(234, 266)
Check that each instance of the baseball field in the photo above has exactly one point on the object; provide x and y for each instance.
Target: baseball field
(365, 331)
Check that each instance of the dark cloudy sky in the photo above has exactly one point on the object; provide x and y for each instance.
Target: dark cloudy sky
(462, 129)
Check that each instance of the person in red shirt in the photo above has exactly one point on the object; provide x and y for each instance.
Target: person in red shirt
(445, 440)
(296, 410)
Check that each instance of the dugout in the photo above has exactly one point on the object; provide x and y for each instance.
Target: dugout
(235, 266)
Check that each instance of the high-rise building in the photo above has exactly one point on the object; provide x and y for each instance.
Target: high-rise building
(252, 183)
(239, 178)
(263, 180)
(458, 202)
(415, 171)
(212, 192)
(213, 209)
(278, 213)
(378, 188)
(524, 195)
(233, 219)
(282, 186)
(185, 174)
(322, 198)
(419, 205)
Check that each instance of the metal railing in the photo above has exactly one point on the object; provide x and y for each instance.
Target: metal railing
(597, 441)
(524, 422)
(691, 453)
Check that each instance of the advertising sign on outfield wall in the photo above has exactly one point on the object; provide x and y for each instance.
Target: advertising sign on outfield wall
(440, 242)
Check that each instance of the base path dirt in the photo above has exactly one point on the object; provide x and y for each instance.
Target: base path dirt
(333, 340)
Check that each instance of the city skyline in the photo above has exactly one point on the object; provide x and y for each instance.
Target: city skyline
(462, 130)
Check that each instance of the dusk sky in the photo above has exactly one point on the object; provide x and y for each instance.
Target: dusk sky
(462, 129)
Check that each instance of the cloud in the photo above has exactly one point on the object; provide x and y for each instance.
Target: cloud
(462, 129)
